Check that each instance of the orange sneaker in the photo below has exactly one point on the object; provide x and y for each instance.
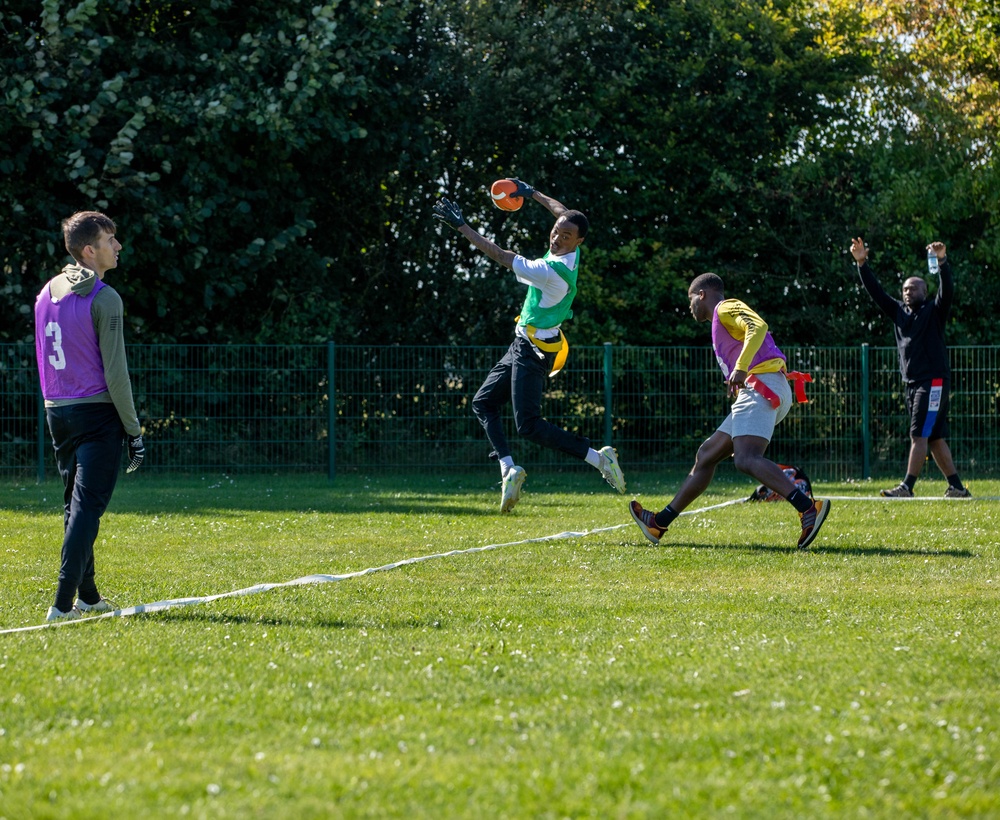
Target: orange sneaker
(812, 520)
(647, 523)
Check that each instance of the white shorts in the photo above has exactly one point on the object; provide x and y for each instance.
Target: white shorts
(752, 414)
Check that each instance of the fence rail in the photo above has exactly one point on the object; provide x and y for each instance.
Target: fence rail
(254, 408)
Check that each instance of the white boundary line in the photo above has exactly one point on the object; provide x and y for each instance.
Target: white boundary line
(914, 498)
(176, 603)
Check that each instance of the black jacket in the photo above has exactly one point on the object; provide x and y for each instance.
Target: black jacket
(919, 333)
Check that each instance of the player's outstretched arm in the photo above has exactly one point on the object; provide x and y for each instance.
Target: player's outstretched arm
(946, 292)
(448, 212)
(886, 303)
(554, 206)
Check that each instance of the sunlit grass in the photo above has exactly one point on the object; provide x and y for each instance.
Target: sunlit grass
(587, 676)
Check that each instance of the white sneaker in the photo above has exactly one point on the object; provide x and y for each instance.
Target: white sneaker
(59, 615)
(513, 479)
(103, 605)
(610, 470)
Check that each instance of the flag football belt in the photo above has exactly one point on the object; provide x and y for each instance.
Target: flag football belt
(557, 345)
(799, 382)
(798, 478)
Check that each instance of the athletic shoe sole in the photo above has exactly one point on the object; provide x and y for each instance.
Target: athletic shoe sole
(512, 484)
(613, 472)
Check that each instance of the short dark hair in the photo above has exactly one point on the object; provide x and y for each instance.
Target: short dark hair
(708, 281)
(85, 228)
(577, 218)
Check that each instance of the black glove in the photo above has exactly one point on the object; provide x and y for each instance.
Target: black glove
(449, 213)
(523, 189)
(136, 452)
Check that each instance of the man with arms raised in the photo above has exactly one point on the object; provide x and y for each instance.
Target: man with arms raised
(919, 325)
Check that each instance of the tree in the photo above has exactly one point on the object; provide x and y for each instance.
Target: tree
(198, 128)
(924, 151)
(666, 122)
(272, 166)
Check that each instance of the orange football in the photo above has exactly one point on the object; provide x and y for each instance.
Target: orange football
(501, 191)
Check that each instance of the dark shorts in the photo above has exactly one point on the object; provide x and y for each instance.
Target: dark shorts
(927, 402)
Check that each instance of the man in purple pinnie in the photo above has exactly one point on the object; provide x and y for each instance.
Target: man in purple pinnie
(80, 347)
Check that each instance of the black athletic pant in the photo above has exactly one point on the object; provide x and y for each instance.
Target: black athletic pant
(88, 442)
(519, 378)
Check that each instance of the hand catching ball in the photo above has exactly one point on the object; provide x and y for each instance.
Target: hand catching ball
(502, 192)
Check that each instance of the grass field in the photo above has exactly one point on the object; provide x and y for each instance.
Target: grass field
(593, 676)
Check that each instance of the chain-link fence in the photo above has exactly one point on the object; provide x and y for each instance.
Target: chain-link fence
(255, 408)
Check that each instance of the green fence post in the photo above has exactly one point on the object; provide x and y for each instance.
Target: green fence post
(866, 428)
(41, 438)
(331, 413)
(608, 415)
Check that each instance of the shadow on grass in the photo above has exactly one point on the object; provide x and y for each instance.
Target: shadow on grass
(466, 502)
(473, 492)
(883, 551)
(306, 621)
(860, 551)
